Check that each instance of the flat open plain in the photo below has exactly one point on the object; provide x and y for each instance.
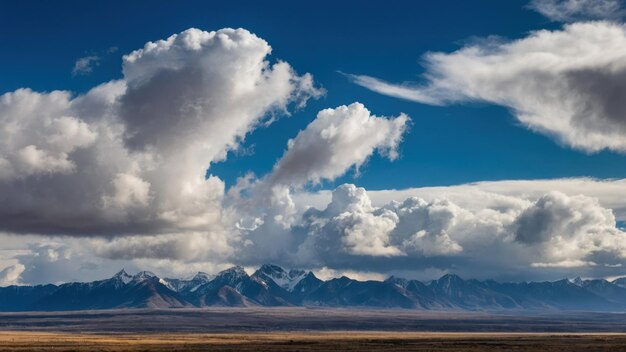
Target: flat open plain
(312, 341)
(305, 329)
(238, 320)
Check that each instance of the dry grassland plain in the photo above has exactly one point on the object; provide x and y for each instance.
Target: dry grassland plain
(314, 341)
(300, 329)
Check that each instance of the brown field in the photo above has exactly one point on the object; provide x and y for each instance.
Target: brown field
(275, 320)
(314, 341)
(302, 329)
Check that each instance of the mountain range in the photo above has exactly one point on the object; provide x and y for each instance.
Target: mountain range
(273, 286)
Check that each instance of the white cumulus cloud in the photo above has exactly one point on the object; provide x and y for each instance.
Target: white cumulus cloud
(491, 235)
(129, 157)
(335, 141)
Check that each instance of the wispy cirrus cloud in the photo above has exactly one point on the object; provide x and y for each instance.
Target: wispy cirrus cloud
(577, 10)
(85, 65)
(567, 84)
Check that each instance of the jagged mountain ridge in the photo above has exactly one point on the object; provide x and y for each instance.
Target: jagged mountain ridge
(274, 286)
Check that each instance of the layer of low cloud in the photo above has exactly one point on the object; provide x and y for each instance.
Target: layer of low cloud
(576, 10)
(528, 232)
(566, 84)
(496, 236)
(609, 193)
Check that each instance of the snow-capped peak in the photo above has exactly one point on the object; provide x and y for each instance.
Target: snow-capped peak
(400, 282)
(197, 281)
(236, 271)
(282, 278)
(123, 276)
(200, 276)
(272, 270)
(576, 281)
(144, 275)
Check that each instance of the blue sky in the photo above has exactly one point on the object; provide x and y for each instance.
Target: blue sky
(523, 98)
(446, 145)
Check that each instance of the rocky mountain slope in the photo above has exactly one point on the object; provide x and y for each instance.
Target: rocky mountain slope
(274, 286)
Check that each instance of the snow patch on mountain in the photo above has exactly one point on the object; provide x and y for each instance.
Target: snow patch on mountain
(282, 278)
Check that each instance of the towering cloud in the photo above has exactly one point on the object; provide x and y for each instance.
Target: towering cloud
(130, 156)
(567, 84)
